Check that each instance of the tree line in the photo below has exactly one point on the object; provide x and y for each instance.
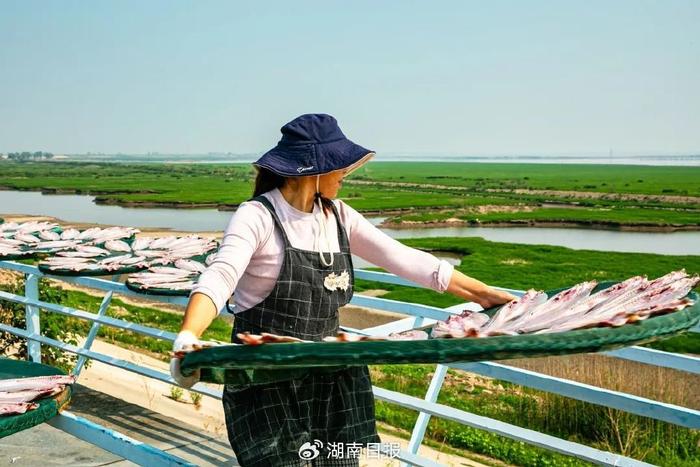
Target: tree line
(26, 155)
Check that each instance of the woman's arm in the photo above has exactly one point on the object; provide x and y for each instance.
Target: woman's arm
(474, 290)
(248, 228)
(373, 245)
(200, 312)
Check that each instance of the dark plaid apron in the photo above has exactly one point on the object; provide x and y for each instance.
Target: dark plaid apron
(268, 423)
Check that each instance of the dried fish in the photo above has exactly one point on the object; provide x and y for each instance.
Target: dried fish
(33, 226)
(265, 338)
(169, 270)
(466, 324)
(117, 245)
(348, 337)
(69, 234)
(10, 242)
(11, 251)
(89, 233)
(412, 335)
(133, 260)
(162, 242)
(53, 245)
(151, 253)
(78, 254)
(17, 408)
(92, 249)
(27, 238)
(113, 260)
(36, 383)
(9, 226)
(141, 243)
(189, 265)
(49, 235)
(29, 395)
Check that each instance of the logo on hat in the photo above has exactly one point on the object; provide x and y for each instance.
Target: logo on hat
(304, 169)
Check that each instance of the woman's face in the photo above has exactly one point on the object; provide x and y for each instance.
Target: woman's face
(330, 183)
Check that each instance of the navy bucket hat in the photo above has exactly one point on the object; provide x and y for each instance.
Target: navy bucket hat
(312, 144)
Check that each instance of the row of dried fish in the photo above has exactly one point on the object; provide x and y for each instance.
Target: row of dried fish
(142, 253)
(268, 338)
(29, 238)
(19, 395)
(21, 239)
(12, 228)
(632, 300)
(181, 277)
(93, 264)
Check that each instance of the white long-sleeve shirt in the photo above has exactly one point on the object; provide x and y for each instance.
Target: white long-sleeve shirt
(250, 256)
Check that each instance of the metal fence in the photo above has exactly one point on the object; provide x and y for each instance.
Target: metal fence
(417, 316)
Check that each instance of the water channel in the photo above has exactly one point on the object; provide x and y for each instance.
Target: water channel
(80, 208)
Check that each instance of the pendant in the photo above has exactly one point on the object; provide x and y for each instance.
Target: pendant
(334, 282)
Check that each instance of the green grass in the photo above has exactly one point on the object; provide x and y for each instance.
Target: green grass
(219, 329)
(656, 180)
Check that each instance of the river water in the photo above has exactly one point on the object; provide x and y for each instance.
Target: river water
(80, 208)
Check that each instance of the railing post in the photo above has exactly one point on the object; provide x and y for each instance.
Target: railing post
(423, 418)
(93, 333)
(31, 314)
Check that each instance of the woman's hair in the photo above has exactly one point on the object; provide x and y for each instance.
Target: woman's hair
(267, 180)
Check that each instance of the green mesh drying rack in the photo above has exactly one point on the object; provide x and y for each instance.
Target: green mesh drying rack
(244, 364)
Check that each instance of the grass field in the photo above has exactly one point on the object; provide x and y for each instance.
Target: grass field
(424, 192)
(659, 180)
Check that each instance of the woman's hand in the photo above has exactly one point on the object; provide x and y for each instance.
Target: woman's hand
(493, 297)
(184, 342)
(476, 291)
(200, 312)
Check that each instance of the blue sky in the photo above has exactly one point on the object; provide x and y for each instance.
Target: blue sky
(447, 77)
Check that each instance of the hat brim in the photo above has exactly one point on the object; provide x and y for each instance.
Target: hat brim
(298, 160)
(356, 165)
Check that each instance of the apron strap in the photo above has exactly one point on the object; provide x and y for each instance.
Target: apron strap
(343, 241)
(265, 202)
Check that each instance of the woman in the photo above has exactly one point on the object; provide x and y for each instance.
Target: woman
(287, 254)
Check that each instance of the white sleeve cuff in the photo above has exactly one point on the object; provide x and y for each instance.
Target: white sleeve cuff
(442, 276)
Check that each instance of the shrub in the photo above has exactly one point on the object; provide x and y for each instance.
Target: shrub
(176, 393)
(54, 326)
(196, 399)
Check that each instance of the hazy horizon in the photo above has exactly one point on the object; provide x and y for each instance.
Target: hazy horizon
(234, 158)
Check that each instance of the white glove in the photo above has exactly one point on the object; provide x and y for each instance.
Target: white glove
(186, 340)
